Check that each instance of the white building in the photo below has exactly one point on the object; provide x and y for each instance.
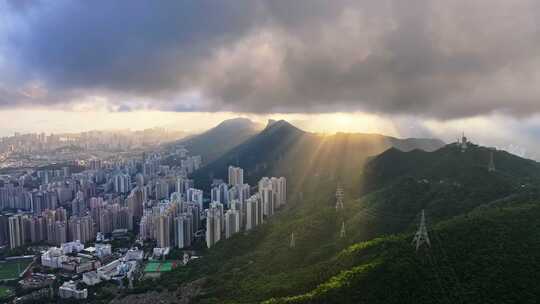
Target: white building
(253, 212)
(220, 194)
(134, 254)
(280, 187)
(213, 225)
(69, 291)
(122, 183)
(236, 176)
(232, 223)
(268, 198)
(183, 226)
(53, 258)
(195, 196)
(273, 192)
(103, 250)
(72, 247)
(108, 271)
(91, 278)
(161, 252)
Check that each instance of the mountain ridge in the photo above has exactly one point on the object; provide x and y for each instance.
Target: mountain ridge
(216, 141)
(283, 149)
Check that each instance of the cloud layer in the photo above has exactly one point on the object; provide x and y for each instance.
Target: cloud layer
(437, 59)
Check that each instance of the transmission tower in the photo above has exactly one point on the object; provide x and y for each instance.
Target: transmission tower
(342, 233)
(491, 166)
(292, 243)
(421, 237)
(340, 195)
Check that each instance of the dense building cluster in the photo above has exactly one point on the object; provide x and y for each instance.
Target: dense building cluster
(37, 149)
(55, 206)
(91, 140)
(234, 207)
(73, 215)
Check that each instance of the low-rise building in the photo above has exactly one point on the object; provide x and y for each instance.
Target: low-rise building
(72, 247)
(91, 278)
(103, 250)
(53, 258)
(134, 254)
(69, 290)
(106, 272)
(37, 280)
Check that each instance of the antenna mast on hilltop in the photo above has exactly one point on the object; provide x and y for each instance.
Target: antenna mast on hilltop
(491, 166)
(340, 195)
(421, 237)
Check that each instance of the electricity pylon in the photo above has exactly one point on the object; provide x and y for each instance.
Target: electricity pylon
(292, 243)
(421, 237)
(342, 233)
(340, 195)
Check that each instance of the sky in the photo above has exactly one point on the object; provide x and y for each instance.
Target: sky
(418, 68)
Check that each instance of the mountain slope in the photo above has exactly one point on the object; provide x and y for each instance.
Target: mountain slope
(448, 162)
(220, 139)
(488, 256)
(283, 149)
(480, 222)
(445, 183)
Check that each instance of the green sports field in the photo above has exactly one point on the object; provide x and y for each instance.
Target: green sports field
(11, 269)
(5, 292)
(159, 266)
(151, 267)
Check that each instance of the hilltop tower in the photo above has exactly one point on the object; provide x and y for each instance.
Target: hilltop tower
(491, 165)
(421, 237)
(463, 143)
(340, 195)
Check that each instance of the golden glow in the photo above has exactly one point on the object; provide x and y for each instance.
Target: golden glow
(84, 119)
(331, 123)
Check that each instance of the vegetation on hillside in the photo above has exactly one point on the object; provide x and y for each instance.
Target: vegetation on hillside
(483, 226)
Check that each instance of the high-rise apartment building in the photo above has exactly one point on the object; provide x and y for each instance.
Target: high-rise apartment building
(232, 222)
(213, 225)
(163, 229)
(135, 201)
(254, 212)
(236, 176)
(17, 231)
(183, 226)
(122, 183)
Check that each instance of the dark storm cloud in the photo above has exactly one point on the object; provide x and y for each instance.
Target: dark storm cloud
(442, 59)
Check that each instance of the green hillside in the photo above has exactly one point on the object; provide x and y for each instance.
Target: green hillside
(487, 256)
(484, 226)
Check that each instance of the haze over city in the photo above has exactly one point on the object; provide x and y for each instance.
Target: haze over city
(404, 70)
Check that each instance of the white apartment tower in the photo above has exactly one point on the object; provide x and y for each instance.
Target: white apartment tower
(16, 231)
(254, 212)
(183, 230)
(213, 226)
(232, 223)
(236, 176)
